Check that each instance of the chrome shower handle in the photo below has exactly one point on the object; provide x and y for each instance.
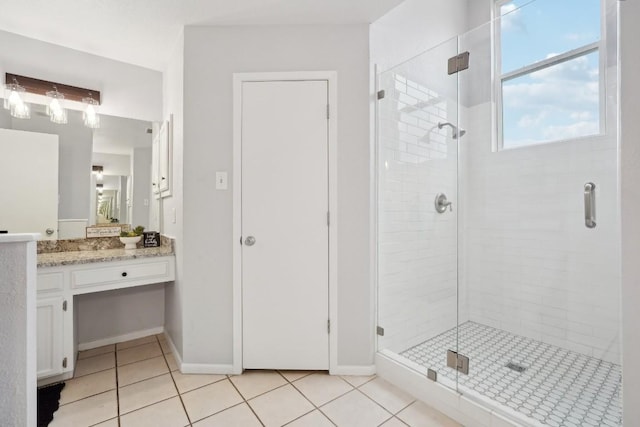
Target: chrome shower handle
(590, 205)
(441, 203)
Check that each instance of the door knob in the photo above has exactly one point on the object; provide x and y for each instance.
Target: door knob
(50, 231)
(250, 241)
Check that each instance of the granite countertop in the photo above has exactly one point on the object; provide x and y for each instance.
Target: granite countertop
(54, 259)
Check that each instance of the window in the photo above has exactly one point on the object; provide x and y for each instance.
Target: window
(548, 56)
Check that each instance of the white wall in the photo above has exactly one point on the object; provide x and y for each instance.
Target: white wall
(114, 164)
(127, 90)
(630, 171)
(173, 84)
(104, 315)
(211, 56)
(18, 405)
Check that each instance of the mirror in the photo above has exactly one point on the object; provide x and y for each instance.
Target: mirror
(121, 194)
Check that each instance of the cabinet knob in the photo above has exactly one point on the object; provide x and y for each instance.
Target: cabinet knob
(124, 274)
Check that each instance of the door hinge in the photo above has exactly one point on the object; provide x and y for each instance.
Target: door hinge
(458, 63)
(64, 305)
(380, 94)
(328, 219)
(328, 112)
(380, 330)
(329, 326)
(64, 362)
(458, 361)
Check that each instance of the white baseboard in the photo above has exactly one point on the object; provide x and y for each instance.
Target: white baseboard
(353, 370)
(204, 368)
(174, 350)
(196, 368)
(120, 338)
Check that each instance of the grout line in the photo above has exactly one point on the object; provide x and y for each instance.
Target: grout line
(246, 401)
(180, 397)
(405, 407)
(371, 399)
(297, 418)
(100, 422)
(150, 404)
(90, 373)
(117, 387)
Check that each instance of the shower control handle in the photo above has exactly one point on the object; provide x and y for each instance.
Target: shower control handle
(441, 203)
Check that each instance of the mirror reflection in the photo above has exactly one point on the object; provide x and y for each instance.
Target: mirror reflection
(119, 194)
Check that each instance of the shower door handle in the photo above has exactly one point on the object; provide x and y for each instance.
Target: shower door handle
(590, 205)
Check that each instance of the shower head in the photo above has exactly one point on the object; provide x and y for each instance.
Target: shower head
(455, 132)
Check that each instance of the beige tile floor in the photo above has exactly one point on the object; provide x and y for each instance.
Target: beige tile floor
(137, 384)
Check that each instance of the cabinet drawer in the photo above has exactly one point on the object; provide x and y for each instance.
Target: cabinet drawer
(148, 272)
(50, 282)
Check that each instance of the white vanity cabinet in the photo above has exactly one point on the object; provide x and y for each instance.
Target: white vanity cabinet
(58, 285)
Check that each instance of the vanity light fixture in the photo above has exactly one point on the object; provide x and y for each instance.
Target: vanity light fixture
(55, 108)
(14, 100)
(90, 115)
(57, 95)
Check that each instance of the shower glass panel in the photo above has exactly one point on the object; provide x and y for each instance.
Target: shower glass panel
(417, 160)
(539, 319)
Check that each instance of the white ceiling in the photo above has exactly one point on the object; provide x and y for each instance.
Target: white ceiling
(144, 32)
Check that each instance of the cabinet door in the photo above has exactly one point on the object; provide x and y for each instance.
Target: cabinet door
(50, 336)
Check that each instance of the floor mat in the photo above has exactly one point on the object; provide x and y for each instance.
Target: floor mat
(48, 398)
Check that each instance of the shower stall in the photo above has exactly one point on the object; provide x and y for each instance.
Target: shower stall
(498, 229)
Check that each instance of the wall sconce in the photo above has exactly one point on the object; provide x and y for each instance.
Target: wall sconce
(99, 187)
(14, 100)
(57, 94)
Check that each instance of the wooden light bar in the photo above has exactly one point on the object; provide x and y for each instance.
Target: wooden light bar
(41, 87)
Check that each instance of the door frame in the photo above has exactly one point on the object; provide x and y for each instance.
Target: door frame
(332, 80)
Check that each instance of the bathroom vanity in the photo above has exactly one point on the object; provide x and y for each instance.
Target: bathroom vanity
(63, 275)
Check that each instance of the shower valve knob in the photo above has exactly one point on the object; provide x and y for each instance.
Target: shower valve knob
(441, 203)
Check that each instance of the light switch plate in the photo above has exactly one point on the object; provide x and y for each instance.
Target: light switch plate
(221, 180)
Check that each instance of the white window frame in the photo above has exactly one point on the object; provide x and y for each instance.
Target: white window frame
(598, 46)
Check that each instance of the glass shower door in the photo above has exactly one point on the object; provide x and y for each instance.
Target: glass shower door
(417, 163)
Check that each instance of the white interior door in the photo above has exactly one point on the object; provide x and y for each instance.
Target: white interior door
(284, 208)
(29, 177)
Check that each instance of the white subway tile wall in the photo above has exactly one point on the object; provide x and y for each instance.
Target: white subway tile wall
(532, 267)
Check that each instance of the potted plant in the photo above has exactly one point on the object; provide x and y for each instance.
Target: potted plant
(131, 238)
